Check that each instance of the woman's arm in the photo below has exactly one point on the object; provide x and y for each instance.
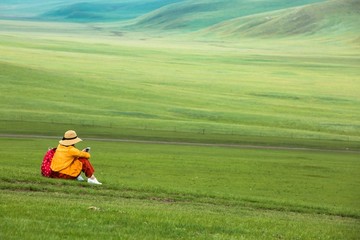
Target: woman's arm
(77, 153)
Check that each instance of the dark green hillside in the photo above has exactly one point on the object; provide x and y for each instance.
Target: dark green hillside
(194, 15)
(337, 17)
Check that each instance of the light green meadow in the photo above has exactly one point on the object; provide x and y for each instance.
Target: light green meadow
(175, 89)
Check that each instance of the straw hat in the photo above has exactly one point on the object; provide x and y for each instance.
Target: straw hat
(70, 138)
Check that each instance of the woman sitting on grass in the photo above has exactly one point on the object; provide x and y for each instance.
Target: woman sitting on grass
(68, 162)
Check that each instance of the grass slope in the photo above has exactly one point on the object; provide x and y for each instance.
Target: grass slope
(28, 9)
(78, 11)
(194, 15)
(329, 19)
(103, 10)
(136, 89)
(154, 191)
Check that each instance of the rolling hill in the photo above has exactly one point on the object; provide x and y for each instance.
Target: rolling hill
(194, 15)
(78, 10)
(163, 14)
(229, 19)
(204, 19)
(29, 9)
(104, 10)
(338, 17)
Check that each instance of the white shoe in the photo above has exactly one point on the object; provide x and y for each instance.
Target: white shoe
(94, 181)
(80, 178)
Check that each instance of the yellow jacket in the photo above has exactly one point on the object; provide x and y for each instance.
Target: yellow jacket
(66, 161)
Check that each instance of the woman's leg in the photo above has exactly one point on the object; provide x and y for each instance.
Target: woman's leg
(87, 168)
(61, 175)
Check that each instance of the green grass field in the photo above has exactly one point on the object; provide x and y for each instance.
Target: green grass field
(238, 138)
(153, 191)
(178, 90)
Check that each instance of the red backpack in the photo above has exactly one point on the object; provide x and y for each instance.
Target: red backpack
(45, 165)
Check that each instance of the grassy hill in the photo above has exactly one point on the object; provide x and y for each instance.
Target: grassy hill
(194, 15)
(334, 18)
(164, 15)
(78, 10)
(29, 9)
(104, 10)
(208, 18)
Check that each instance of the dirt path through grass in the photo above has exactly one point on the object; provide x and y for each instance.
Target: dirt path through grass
(245, 146)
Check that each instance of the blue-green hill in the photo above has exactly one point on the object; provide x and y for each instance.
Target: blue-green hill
(194, 15)
(104, 10)
(331, 18)
(79, 10)
(27, 9)
(229, 19)
(154, 14)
